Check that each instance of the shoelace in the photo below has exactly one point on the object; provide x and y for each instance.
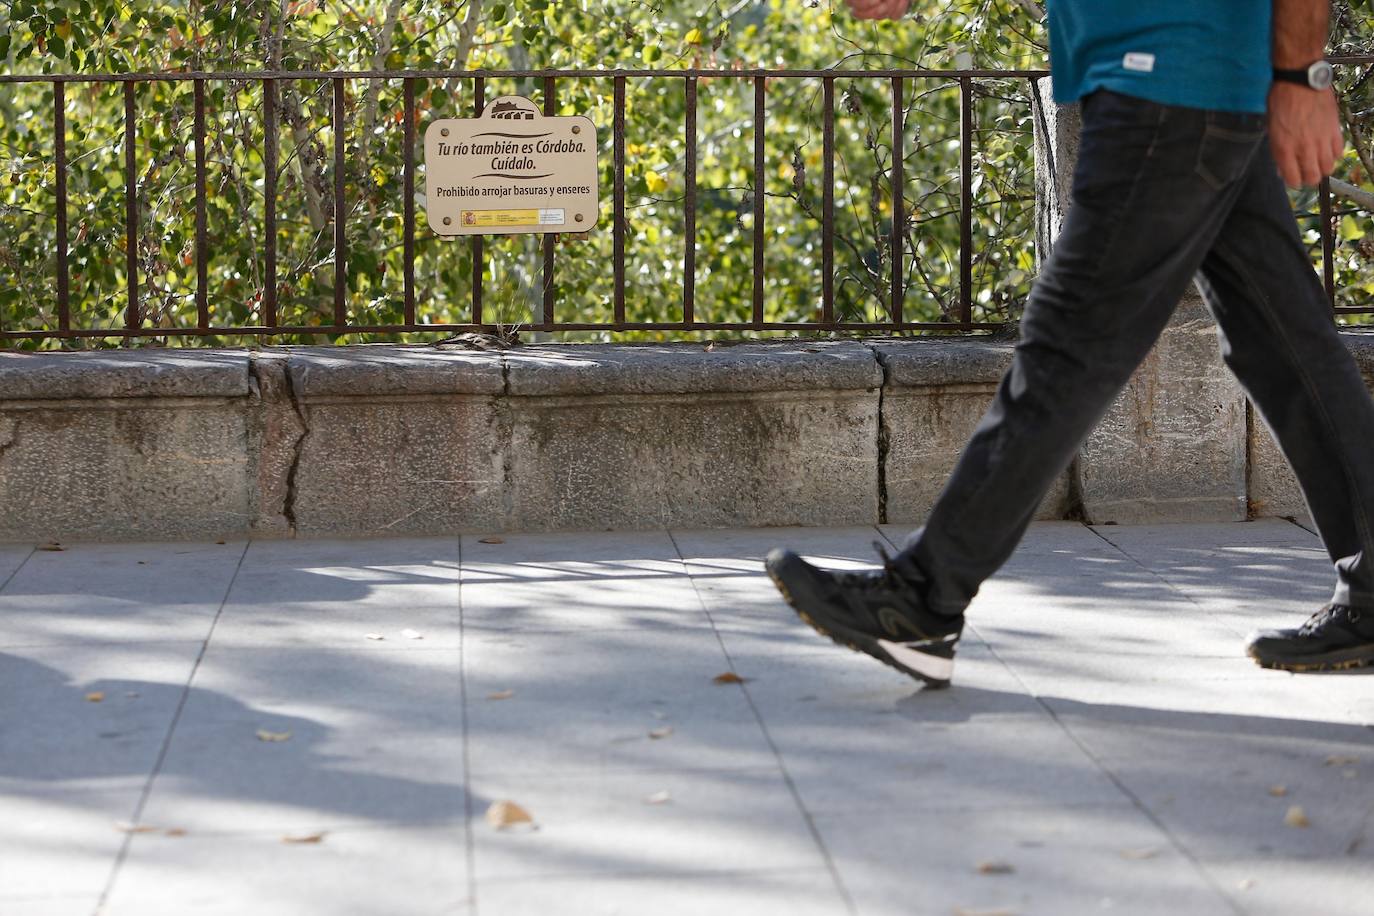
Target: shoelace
(891, 577)
(1326, 614)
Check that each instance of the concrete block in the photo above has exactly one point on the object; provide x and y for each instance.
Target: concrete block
(1173, 447)
(127, 468)
(397, 441)
(935, 393)
(646, 437)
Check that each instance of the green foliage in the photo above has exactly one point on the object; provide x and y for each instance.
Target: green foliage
(114, 36)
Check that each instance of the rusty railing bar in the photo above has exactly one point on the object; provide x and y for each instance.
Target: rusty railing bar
(269, 190)
(202, 246)
(479, 102)
(571, 73)
(340, 211)
(408, 219)
(965, 201)
(618, 230)
(689, 229)
(1328, 241)
(760, 184)
(898, 286)
(828, 203)
(59, 112)
(131, 315)
(550, 238)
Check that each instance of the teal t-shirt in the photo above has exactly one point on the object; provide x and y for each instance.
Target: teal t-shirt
(1212, 54)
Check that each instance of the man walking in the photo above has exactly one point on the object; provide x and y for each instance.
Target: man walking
(1195, 113)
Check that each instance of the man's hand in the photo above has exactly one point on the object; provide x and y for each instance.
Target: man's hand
(1304, 133)
(878, 9)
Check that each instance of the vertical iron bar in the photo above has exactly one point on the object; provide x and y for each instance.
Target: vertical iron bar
(1328, 241)
(618, 231)
(479, 92)
(340, 211)
(550, 238)
(828, 206)
(59, 120)
(269, 186)
(131, 316)
(409, 209)
(760, 183)
(966, 201)
(689, 229)
(898, 201)
(202, 248)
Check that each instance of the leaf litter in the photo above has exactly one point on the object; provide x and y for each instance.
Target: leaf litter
(303, 839)
(728, 677)
(504, 814)
(1296, 817)
(95, 696)
(501, 695)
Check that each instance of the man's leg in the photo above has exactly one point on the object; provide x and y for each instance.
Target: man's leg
(1132, 242)
(1152, 189)
(1279, 339)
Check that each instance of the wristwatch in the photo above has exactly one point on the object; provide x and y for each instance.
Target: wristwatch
(1317, 76)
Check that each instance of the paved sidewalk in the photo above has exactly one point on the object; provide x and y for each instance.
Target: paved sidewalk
(1105, 748)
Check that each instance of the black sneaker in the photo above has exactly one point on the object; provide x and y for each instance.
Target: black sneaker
(875, 612)
(1335, 637)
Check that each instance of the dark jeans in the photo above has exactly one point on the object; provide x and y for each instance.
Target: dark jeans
(1161, 195)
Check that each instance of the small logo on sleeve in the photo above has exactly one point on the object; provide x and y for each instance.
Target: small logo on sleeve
(1139, 62)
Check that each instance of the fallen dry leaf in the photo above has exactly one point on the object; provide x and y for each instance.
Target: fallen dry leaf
(1278, 791)
(51, 545)
(265, 735)
(412, 634)
(501, 695)
(221, 543)
(658, 798)
(995, 868)
(1145, 852)
(1341, 760)
(503, 814)
(1296, 817)
(95, 696)
(126, 827)
(175, 831)
(303, 838)
(1000, 911)
(491, 540)
(663, 732)
(728, 677)
(373, 636)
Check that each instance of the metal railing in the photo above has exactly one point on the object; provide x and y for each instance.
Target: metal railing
(268, 313)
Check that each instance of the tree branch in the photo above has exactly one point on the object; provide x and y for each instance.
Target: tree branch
(374, 87)
(1357, 196)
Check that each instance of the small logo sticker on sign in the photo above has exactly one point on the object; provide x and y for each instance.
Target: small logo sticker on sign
(1141, 63)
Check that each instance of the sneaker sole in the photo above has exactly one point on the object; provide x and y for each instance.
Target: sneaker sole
(1339, 661)
(857, 642)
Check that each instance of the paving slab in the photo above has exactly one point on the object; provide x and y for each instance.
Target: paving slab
(809, 892)
(361, 737)
(334, 593)
(596, 701)
(12, 557)
(416, 870)
(656, 823)
(136, 593)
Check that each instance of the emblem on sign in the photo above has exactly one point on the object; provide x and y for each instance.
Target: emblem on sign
(512, 170)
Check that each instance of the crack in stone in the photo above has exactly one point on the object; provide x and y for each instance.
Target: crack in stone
(270, 394)
(884, 436)
(288, 508)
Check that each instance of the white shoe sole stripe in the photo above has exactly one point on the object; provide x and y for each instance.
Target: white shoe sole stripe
(932, 666)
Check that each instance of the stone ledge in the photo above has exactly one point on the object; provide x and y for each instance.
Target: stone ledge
(146, 373)
(383, 370)
(943, 361)
(691, 368)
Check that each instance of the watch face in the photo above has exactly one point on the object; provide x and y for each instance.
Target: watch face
(1320, 75)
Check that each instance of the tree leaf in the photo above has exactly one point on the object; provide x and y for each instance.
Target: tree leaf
(503, 814)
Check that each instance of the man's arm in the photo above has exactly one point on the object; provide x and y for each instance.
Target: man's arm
(1304, 124)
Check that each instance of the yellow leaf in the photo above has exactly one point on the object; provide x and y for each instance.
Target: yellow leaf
(64, 29)
(302, 838)
(693, 37)
(655, 182)
(265, 735)
(1296, 817)
(503, 814)
(95, 696)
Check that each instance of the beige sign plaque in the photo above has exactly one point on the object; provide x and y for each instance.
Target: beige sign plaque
(512, 170)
